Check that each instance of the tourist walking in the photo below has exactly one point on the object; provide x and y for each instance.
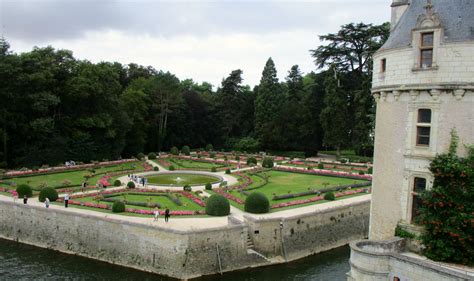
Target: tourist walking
(156, 213)
(46, 202)
(84, 184)
(66, 200)
(25, 199)
(15, 196)
(167, 214)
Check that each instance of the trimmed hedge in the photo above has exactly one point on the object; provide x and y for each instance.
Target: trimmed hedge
(187, 188)
(141, 156)
(185, 150)
(208, 186)
(329, 196)
(118, 207)
(24, 189)
(131, 184)
(174, 150)
(156, 169)
(48, 192)
(151, 155)
(257, 203)
(267, 162)
(171, 168)
(117, 183)
(217, 205)
(251, 161)
(227, 171)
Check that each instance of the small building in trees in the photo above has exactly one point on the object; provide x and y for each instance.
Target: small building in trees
(423, 83)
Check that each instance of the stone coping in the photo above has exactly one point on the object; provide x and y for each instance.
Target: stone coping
(152, 173)
(394, 248)
(427, 86)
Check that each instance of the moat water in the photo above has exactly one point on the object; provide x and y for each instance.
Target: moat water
(23, 262)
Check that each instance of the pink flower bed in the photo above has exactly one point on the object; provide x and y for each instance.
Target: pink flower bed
(76, 167)
(11, 191)
(229, 196)
(131, 210)
(317, 198)
(324, 173)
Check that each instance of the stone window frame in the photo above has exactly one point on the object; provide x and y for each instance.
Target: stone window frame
(412, 148)
(421, 124)
(417, 47)
(412, 193)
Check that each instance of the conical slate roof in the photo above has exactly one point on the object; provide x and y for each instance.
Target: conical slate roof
(456, 16)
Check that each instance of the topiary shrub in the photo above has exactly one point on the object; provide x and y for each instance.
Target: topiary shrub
(141, 156)
(24, 189)
(370, 170)
(209, 147)
(309, 168)
(174, 150)
(251, 161)
(329, 196)
(237, 158)
(227, 171)
(257, 203)
(48, 192)
(320, 166)
(185, 150)
(187, 188)
(208, 186)
(156, 168)
(171, 168)
(152, 155)
(117, 183)
(213, 169)
(267, 162)
(361, 173)
(118, 207)
(131, 184)
(217, 205)
(212, 155)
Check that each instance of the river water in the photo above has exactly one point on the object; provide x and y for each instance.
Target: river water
(23, 262)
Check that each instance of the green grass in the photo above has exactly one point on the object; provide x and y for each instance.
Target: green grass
(188, 205)
(191, 164)
(76, 177)
(191, 179)
(280, 183)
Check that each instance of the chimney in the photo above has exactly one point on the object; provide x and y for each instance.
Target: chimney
(398, 8)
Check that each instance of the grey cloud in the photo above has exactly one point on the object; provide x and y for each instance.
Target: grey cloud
(43, 20)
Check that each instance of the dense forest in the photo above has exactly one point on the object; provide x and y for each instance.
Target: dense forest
(55, 107)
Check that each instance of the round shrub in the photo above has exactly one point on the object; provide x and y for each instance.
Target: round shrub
(141, 156)
(117, 183)
(257, 203)
(174, 150)
(267, 162)
(171, 168)
(152, 155)
(329, 196)
(361, 173)
(227, 171)
(208, 186)
(131, 184)
(212, 155)
(48, 192)
(24, 189)
(370, 170)
(118, 207)
(213, 169)
(217, 205)
(185, 150)
(251, 161)
(209, 147)
(187, 188)
(320, 166)
(237, 158)
(156, 168)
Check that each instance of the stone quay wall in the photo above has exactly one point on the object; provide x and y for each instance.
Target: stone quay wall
(183, 254)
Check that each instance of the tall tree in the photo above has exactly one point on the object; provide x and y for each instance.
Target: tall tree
(335, 115)
(269, 100)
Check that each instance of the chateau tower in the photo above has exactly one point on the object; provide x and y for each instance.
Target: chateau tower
(423, 82)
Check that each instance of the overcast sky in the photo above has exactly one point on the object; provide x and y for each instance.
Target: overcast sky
(202, 40)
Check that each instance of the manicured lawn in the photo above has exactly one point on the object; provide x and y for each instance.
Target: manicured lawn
(188, 205)
(181, 179)
(75, 177)
(191, 164)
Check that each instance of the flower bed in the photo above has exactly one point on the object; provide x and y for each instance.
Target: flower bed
(188, 195)
(320, 191)
(317, 198)
(12, 174)
(229, 196)
(324, 173)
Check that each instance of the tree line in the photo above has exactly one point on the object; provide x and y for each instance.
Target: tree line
(55, 107)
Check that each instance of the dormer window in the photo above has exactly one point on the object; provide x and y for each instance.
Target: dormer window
(426, 50)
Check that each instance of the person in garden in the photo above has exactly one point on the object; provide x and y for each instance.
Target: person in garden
(66, 200)
(25, 199)
(167, 214)
(15, 196)
(46, 202)
(156, 213)
(84, 184)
